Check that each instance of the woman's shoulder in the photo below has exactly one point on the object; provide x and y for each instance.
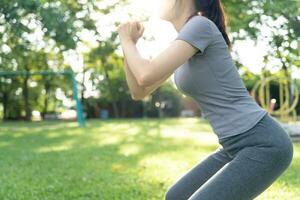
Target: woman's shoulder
(209, 23)
(197, 23)
(201, 18)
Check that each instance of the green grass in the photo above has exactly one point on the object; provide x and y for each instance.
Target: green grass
(133, 159)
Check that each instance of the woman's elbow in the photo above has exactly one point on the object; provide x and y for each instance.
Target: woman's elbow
(144, 81)
(137, 97)
(145, 77)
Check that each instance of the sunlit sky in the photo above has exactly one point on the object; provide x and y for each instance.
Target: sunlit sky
(162, 32)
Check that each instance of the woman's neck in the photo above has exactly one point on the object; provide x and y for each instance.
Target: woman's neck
(179, 22)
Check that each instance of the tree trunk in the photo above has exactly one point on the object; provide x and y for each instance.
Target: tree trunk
(5, 104)
(114, 104)
(123, 107)
(26, 97)
(46, 101)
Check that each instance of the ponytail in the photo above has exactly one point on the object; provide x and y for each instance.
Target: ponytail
(213, 10)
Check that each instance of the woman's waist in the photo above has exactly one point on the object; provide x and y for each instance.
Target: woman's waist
(266, 133)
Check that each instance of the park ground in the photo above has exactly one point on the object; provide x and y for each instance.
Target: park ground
(115, 159)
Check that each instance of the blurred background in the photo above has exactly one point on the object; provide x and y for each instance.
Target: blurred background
(80, 35)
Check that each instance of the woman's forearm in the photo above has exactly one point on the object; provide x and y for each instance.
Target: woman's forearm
(137, 92)
(137, 64)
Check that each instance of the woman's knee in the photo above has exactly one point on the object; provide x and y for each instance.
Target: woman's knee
(170, 194)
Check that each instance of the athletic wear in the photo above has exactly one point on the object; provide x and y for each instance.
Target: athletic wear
(212, 79)
(245, 166)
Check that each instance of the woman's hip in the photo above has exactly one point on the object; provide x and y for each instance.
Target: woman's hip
(267, 134)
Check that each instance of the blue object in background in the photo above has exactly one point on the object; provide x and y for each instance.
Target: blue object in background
(104, 114)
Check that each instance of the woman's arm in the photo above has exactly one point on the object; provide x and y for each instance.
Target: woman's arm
(138, 92)
(149, 72)
(193, 38)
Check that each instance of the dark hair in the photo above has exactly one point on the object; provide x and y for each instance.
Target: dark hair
(213, 10)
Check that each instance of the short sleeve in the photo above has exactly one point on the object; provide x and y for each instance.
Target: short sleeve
(197, 31)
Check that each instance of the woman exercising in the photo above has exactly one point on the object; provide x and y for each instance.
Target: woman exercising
(255, 149)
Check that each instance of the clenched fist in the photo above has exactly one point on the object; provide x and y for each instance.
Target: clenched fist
(132, 30)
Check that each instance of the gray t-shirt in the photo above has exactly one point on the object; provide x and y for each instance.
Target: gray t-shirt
(211, 78)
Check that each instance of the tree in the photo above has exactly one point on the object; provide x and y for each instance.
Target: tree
(31, 27)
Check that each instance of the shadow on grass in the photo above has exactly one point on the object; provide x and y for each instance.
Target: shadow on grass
(61, 161)
(57, 160)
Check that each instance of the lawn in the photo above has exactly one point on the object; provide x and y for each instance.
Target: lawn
(132, 159)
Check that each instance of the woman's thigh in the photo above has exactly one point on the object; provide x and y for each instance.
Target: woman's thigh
(251, 172)
(187, 184)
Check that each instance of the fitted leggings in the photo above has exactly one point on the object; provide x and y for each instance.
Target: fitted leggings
(242, 168)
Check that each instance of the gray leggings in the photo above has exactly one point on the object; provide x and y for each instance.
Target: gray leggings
(245, 166)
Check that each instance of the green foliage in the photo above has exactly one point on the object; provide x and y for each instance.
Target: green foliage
(250, 19)
(239, 15)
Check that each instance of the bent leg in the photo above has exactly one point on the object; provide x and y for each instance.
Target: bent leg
(251, 172)
(186, 185)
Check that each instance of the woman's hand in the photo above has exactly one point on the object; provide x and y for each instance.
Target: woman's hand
(131, 30)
